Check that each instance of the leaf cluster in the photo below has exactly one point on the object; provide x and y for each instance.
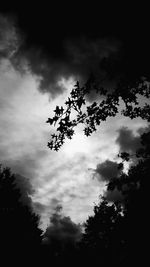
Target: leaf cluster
(93, 114)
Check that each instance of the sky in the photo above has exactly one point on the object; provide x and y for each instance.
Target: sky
(40, 61)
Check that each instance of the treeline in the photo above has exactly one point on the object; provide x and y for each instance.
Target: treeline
(117, 233)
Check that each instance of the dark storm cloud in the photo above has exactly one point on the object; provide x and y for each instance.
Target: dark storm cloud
(104, 172)
(62, 42)
(107, 170)
(127, 141)
(62, 230)
(80, 58)
(76, 56)
(85, 55)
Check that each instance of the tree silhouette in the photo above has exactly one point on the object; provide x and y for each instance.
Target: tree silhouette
(92, 115)
(117, 232)
(103, 238)
(19, 229)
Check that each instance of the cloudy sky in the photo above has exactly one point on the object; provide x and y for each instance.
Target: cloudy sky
(40, 61)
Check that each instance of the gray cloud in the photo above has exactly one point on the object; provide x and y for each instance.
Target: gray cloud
(80, 58)
(114, 195)
(49, 208)
(26, 189)
(108, 169)
(27, 164)
(39, 207)
(127, 141)
(130, 143)
(9, 37)
(62, 230)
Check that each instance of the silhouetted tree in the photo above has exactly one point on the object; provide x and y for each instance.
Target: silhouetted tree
(103, 240)
(117, 233)
(19, 231)
(135, 187)
(92, 115)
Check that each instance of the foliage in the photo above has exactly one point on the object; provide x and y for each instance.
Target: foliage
(92, 115)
